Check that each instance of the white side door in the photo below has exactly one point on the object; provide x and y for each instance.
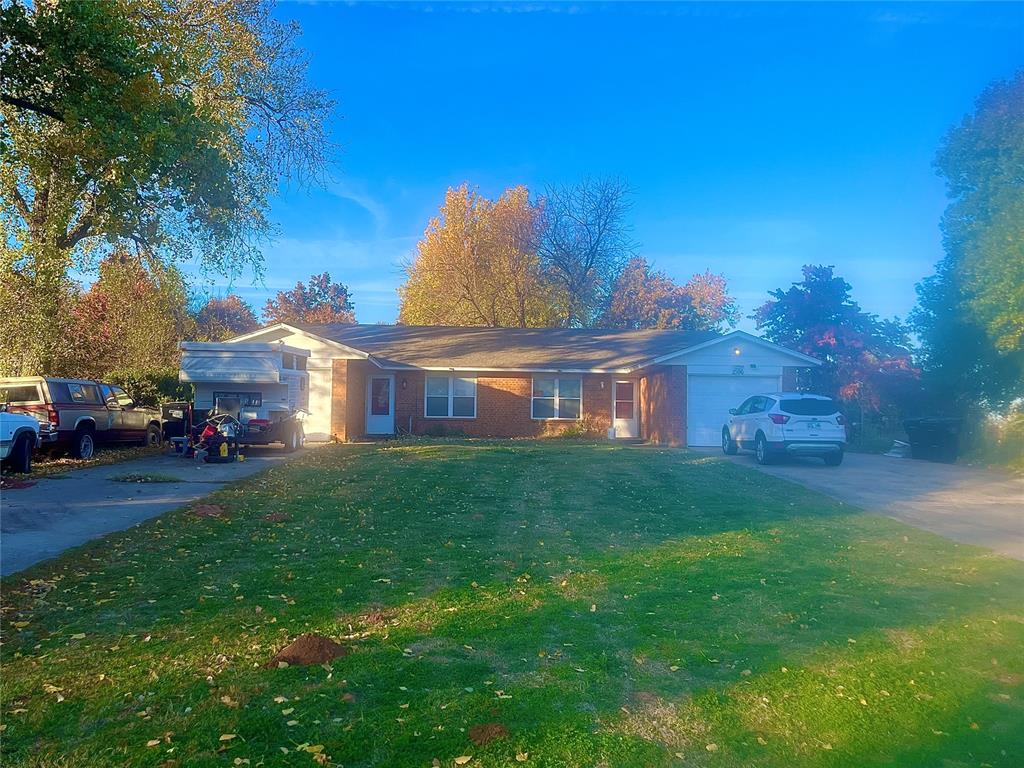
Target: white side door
(317, 425)
(624, 409)
(380, 404)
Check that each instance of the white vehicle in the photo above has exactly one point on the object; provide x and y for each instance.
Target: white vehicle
(19, 436)
(786, 424)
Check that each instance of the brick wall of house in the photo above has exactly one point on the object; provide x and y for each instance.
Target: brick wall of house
(502, 407)
(348, 399)
(663, 405)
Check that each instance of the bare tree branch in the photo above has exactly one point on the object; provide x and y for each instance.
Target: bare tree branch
(29, 106)
(586, 242)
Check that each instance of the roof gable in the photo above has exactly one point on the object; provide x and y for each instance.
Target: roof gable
(749, 338)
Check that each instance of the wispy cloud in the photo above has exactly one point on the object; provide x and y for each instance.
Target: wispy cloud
(356, 192)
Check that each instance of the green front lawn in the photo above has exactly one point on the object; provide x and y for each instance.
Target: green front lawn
(603, 605)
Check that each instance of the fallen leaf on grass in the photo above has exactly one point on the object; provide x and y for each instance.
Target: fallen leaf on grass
(522, 757)
(153, 743)
(227, 736)
(463, 759)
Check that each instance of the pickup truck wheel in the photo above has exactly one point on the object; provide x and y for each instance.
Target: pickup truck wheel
(153, 435)
(291, 440)
(21, 455)
(84, 445)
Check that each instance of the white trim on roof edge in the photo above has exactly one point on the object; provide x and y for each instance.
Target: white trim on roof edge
(732, 336)
(292, 329)
(474, 369)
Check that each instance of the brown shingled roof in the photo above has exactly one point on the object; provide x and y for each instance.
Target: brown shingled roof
(463, 348)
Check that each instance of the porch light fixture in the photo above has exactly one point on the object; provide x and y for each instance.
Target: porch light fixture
(405, 384)
(736, 350)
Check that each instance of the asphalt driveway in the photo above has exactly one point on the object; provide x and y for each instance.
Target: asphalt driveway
(57, 513)
(965, 504)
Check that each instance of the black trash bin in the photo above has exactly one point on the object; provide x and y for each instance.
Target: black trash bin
(177, 419)
(934, 438)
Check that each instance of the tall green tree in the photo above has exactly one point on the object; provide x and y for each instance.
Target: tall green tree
(970, 313)
(165, 124)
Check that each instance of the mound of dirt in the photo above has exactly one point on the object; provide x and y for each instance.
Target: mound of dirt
(308, 649)
(208, 510)
(277, 517)
(486, 733)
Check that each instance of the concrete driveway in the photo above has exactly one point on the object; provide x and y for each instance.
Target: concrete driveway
(965, 504)
(40, 522)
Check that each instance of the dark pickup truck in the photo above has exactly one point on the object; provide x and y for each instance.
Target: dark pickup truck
(81, 413)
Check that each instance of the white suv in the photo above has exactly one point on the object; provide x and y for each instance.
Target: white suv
(786, 424)
(19, 436)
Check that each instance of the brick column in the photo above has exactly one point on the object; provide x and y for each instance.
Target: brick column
(676, 405)
(339, 399)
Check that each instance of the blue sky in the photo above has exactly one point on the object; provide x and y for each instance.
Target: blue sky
(757, 137)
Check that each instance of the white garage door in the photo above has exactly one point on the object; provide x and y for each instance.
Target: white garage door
(709, 398)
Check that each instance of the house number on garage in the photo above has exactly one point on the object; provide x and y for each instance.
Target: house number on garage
(737, 370)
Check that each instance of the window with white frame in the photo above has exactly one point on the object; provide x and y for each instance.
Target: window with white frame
(450, 397)
(556, 398)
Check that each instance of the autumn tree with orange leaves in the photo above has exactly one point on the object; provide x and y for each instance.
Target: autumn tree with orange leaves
(644, 297)
(223, 317)
(320, 303)
(864, 359)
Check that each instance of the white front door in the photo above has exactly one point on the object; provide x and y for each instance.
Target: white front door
(624, 409)
(380, 405)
